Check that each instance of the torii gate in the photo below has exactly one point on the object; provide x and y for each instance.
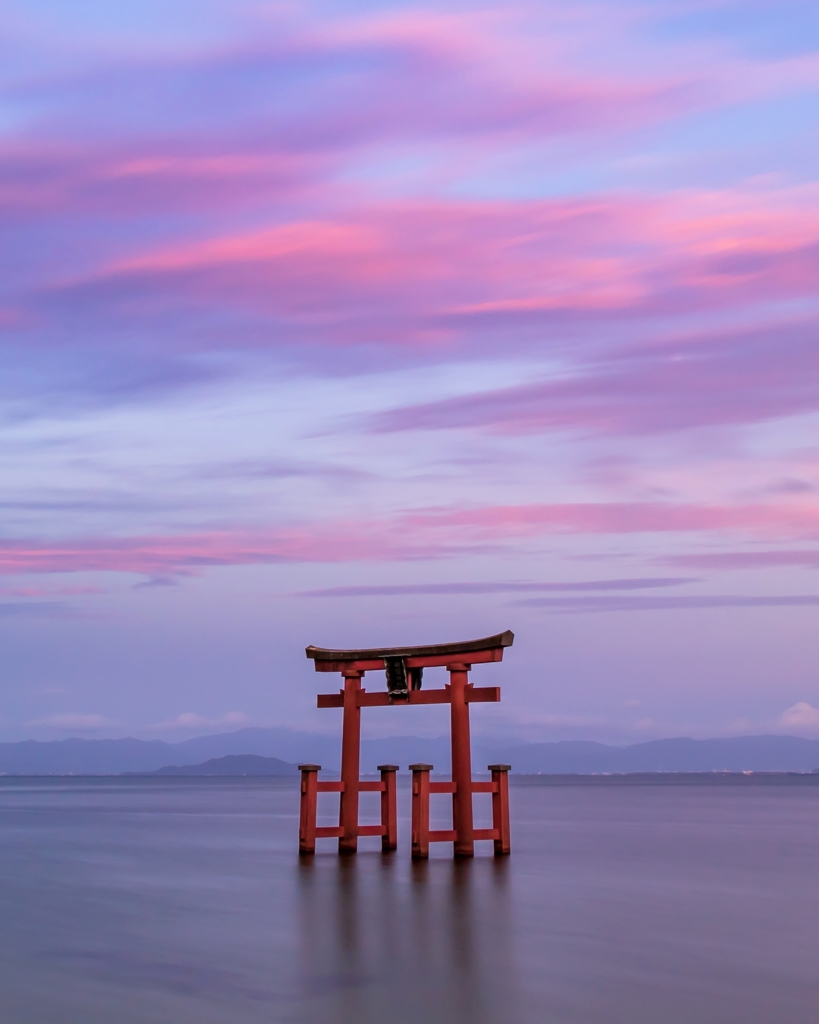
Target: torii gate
(404, 667)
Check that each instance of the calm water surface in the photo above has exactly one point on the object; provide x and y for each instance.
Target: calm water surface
(181, 901)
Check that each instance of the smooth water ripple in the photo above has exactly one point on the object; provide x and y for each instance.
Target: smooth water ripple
(182, 901)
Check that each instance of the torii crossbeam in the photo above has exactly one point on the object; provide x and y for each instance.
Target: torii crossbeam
(404, 667)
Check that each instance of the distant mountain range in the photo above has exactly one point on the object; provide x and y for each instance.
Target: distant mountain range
(232, 764)
(740, 753)
(114, 757)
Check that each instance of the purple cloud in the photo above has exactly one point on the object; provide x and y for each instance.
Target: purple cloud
(35, 609)
(745, 559)
(743, 377)
(496, 587)
(644, 604)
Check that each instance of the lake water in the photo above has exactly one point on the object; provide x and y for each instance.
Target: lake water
(182, 901)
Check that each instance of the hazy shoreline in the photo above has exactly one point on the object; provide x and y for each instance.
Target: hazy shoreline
(710, 778)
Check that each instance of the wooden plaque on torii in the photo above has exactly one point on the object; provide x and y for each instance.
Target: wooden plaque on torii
(404, 668)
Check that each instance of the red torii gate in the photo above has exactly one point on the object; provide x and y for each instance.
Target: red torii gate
(404, 667)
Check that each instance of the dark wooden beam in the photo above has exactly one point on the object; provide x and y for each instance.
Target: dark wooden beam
(436, 651)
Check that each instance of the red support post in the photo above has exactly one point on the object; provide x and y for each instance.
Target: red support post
(500, 808)
(462, 821)
(350, 760)
(420, 810)
(307, 810)
(389, 808)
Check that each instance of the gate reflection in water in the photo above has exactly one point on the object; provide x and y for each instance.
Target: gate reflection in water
(381, 939)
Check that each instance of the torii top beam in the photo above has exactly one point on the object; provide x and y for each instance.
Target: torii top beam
(468, 652)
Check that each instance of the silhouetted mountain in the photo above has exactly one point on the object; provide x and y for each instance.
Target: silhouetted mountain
(113, 757)
(231, 764)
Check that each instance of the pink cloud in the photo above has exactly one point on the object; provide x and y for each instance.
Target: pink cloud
(39, 179)
(427, 533)
(195, 129)
(621, 518)
(421, 74)
(315, 240)
(409, 271)
(214, 131)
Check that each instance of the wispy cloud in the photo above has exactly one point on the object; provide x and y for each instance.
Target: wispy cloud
(39, 592)
(496, 587)
(742, 377)
(806, 559)
(469, 273)
(425, 533)
(657, 603)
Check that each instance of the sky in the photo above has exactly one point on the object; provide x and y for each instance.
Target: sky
(360, 323)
